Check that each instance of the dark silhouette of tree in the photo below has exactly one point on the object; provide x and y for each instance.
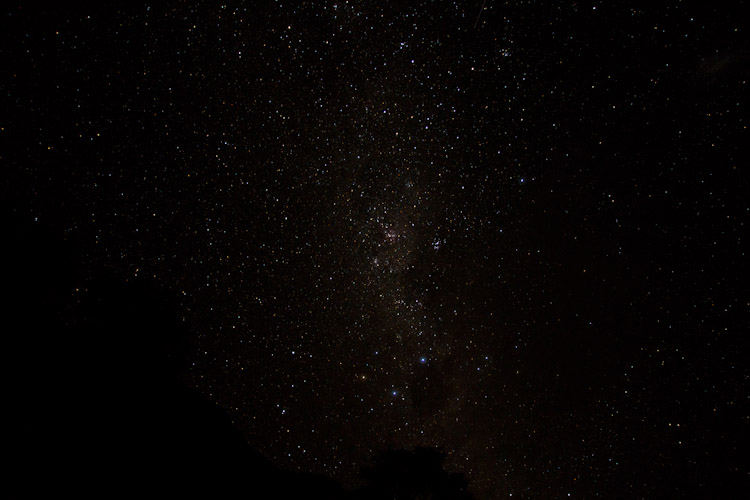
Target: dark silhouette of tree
(411, 475)
(98, 405)
(97, 400)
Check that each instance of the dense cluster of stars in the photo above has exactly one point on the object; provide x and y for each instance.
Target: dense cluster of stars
(502, 229)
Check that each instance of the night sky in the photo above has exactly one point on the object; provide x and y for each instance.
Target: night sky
(512, 231)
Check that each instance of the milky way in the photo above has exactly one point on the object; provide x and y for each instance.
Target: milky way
(507, 230)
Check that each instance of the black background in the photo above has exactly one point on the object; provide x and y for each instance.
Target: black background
(284, 238)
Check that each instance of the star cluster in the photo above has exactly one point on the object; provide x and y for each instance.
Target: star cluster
(508, 230)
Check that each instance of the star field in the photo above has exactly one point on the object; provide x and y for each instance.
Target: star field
(508, 230)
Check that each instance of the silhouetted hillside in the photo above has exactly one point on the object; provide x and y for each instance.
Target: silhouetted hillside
(99, 407)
